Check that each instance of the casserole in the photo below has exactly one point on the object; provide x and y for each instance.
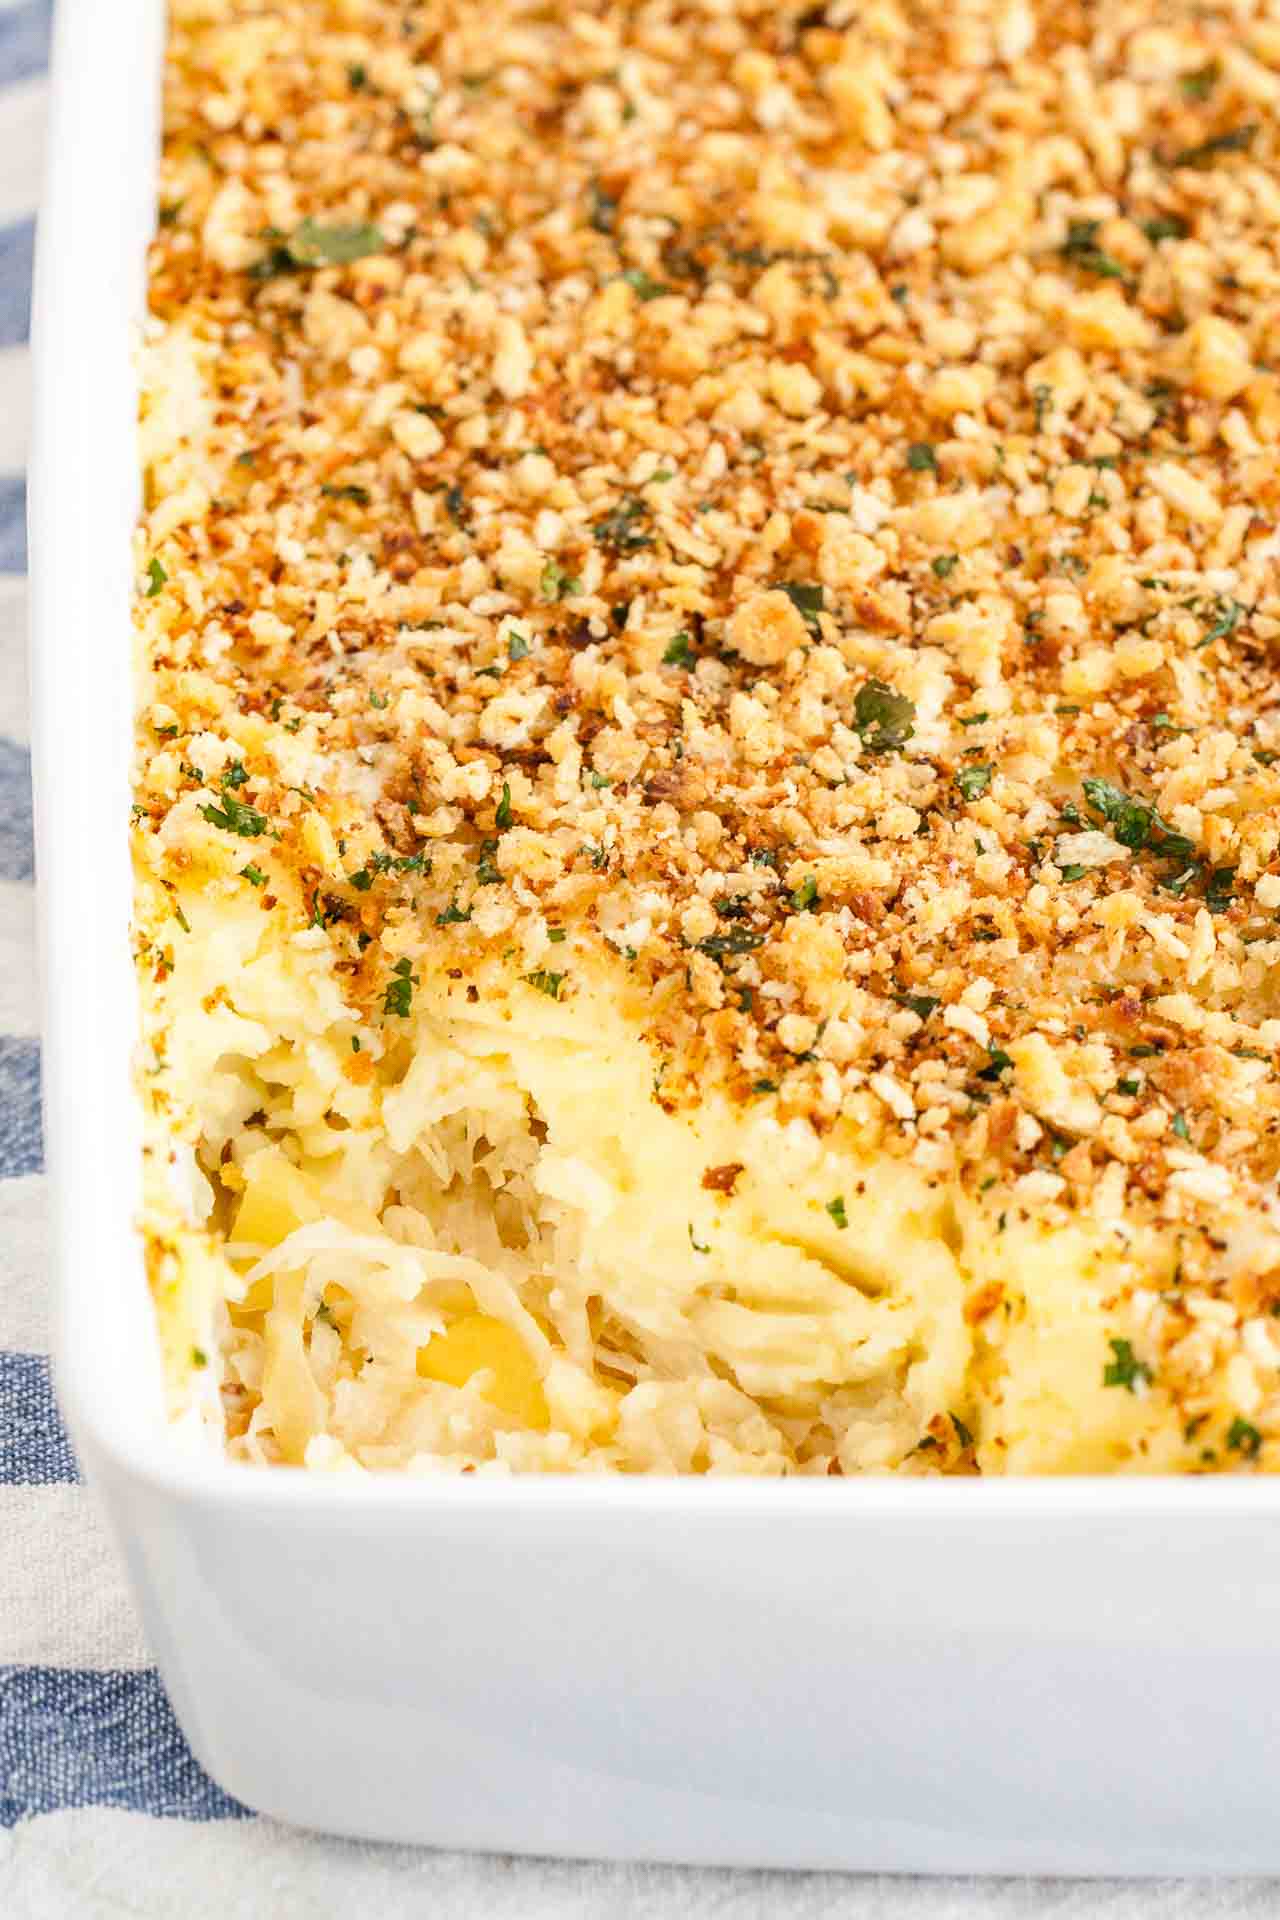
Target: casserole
(705, 791)
(917, 1676)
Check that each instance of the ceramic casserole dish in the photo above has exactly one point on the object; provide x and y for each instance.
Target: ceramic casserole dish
(1068, 1675)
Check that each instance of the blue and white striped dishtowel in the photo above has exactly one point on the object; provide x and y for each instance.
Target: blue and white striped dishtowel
(103, 1810)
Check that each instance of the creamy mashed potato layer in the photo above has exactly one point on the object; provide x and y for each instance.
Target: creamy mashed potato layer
(707, 798)
(498, 1246)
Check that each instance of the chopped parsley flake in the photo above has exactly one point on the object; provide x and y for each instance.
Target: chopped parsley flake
(604, 209)
(398, 997)
(1082, 249)
(643, 286)
(1135, 823)
(548, 983)
(737, 940)
(1218, 892)
(1199, 84)
(883, 717)
(677, 652)
(254, 875)
(236, 816)
(805, 894)
(1243, 1437)
(156, 577)
(619, 530)
(315, 245)
(1235, 140)
(921, 457)
(1229, 616)
(556, 584)
(806, 599)
(502, 812)
(836, 1209)
(1165, 227)
(974, 781)
(1124, 1369)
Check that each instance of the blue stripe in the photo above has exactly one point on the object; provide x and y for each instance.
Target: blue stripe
(17, 250)
(34, 1448)
(21, 1139)
(17, 847)
(13, 523)
(82, 1739)
(24, 41)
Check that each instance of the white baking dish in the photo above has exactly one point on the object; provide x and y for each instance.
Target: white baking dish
(1070, 1675)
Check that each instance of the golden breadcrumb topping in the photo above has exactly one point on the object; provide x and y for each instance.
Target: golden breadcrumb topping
(784, 496)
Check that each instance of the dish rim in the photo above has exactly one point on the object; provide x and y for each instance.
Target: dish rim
(82, 491)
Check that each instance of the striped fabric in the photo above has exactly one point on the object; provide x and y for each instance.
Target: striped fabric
(83, 1718)
(103, 1810)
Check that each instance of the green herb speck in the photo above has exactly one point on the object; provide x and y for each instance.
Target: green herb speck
(1235, 140)
(643, 285)
(236, 816)
(398, 996)
(974, 781)
(313, 244)
(884, 718)
(1124, 1369)
(556, 584)
(1243, 1437)
(806, 599)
